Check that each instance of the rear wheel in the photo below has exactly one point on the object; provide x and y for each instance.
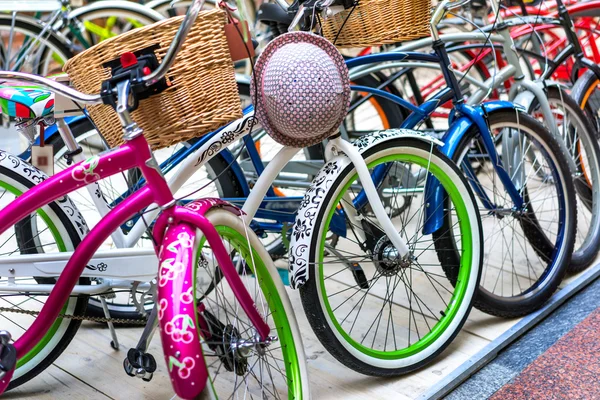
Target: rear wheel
(47, 230)
(97, 22)
(27, 47)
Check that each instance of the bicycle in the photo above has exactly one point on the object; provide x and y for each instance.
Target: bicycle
(173, 240)
(523, 285)
(418, 148)
(49, 41)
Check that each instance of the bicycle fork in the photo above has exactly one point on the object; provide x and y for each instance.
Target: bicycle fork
(337, 145)
(177, 308)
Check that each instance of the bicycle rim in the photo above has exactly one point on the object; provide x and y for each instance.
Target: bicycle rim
(413, 308)
(276, 372)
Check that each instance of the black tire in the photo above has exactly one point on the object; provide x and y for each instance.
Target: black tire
(228, 187)
(24, 233)
(586, 93)
(551, 275)
(580, 137)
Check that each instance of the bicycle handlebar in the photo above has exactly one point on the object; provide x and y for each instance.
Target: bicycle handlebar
(182, 32)
(49, 84)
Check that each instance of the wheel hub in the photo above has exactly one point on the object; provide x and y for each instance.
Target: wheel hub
(386, 258)
(235, 351)
(232, 360)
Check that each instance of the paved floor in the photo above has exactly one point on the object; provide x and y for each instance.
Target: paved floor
(559, 359)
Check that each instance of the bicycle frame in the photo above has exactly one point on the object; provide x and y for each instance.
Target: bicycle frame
(262, 199)
(561, 17)
(189, 160)
(511, 70)
(133, 154)
(142, 262)
(469, 116)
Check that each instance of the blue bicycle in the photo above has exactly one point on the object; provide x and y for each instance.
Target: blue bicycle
(516, 168)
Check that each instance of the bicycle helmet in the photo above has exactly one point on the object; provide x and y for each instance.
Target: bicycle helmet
(303, 90)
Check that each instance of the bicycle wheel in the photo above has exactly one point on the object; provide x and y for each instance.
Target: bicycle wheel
(27, 48)
(96, 22)
(374, 314)
(47, 230)
(115, 188)
(586, 93)
(581, 141)
(271, 370)
(527, 252)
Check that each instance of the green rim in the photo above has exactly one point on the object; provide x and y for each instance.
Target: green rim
(267, 285)
(62, 248)
(463, 276)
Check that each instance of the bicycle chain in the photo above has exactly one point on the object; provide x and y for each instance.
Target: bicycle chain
(128, 321)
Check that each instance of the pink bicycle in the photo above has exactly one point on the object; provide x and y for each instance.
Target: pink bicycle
(235, 319)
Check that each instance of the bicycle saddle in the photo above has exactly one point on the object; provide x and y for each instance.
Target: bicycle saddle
(27, 102)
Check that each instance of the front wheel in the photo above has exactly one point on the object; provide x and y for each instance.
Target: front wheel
(237, 360)
(373, 312)
(527, 249)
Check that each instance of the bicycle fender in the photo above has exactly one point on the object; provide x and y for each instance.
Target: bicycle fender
(303, 233)
(177, 307)
(434, 192)
(35, 176)
(526, 97)
(176, 312)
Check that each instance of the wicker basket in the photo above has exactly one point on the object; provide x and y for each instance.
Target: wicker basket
(203, 94)
(377, 22)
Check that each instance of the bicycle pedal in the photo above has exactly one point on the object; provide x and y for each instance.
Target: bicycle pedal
(8, 363)
(8, 358)
(148, 377)
(139, 364)
(129, 369)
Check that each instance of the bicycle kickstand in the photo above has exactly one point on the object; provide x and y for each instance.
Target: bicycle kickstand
(113, 333)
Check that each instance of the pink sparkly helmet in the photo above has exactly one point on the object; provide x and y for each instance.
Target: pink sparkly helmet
(303, 89)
